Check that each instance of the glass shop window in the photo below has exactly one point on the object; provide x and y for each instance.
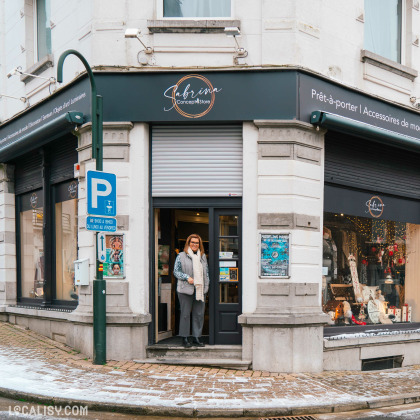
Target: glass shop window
(383, 23)
(65, 240)
(32, 245)
(370, 272)
(196, 8)
(42, 28)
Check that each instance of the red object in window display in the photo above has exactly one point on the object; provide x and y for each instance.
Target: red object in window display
(373, 249)
(400, 261)
(357, 322)
(395, 247)
(390, 253)
(364, 262)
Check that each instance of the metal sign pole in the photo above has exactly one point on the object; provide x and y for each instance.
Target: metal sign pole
(99, 284)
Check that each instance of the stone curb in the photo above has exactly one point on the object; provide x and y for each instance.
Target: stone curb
(169, 411)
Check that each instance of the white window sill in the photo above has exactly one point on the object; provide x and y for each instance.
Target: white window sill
(387, 64)
(38, 68)
(190, 25)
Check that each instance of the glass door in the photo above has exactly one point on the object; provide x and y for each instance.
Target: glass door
(227, 269)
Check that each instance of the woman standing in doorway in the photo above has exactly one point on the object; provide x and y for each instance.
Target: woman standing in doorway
(192, 272)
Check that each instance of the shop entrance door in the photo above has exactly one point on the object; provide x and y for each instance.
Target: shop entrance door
(220, 229)
(226, 265)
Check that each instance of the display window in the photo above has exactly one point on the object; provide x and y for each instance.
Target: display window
(65, 210)
(31, 218)
(370, 273)
(47, 246)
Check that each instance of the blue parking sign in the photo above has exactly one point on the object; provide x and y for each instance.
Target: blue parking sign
(101, 193)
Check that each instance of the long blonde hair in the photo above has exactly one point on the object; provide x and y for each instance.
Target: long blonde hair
(187, 244)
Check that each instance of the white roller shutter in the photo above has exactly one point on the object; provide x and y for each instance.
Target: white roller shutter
(196, 161)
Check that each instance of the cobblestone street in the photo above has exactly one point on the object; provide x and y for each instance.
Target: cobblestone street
(35, 366)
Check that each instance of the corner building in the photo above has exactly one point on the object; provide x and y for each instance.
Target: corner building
(291, 150)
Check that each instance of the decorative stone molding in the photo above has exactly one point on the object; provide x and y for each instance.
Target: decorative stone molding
(116, 141)
(7, 177)
(190, 26)
(387, 64)
(289, 140)
(288, 221)
(287, 298)
(37, 68)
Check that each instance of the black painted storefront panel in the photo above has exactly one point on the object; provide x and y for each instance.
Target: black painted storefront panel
(238, 96)
(318, 94)
(355, 203)
(219, 96)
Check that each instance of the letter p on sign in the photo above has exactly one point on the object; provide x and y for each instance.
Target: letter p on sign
(101, 193)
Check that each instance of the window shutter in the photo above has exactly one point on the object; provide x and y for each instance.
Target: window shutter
(28, 173)
(63, 156)
(197, 161)
(371, 166)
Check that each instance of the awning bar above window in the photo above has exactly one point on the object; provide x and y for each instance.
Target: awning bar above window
(359, 129)
(53, 129)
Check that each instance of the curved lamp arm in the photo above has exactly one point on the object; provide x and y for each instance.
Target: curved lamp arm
(63, 56)
(96, 105)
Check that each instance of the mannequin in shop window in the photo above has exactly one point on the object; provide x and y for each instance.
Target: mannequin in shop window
(191, 270)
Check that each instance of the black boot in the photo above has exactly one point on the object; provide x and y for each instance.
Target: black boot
(185, 342)
(196, 342)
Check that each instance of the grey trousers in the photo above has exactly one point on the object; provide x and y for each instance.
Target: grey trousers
(190, 305)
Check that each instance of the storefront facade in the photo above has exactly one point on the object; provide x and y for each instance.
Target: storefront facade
(277, 170)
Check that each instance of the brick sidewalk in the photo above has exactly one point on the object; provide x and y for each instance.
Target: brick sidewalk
(41, 369)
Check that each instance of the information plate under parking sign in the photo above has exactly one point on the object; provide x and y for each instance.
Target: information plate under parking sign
(101, 224)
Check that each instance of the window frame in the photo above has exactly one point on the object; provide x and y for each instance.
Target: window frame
(159, 13)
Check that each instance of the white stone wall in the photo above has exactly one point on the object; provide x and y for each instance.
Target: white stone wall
(249, 219)
(138, 252)
(7, 237)
(325, 36)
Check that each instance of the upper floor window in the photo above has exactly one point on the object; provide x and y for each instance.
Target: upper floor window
(196, 8)
(383, 24)
(42, 28)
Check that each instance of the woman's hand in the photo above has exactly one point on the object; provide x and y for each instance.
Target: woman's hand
(190, 280)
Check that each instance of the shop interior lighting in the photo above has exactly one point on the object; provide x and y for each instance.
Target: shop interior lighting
(22, 98)
(18, 70)
(234, 31)
(135, 33)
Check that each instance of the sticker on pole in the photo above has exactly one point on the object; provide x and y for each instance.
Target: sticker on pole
(101, 193)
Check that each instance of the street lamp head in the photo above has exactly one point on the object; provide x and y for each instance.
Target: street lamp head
(132, 33)
(232, 31)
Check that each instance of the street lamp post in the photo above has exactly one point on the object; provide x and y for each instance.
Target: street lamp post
(99, 284)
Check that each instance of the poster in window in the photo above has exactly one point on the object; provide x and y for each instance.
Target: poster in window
(275, 255)
(163, 260)
(233, 274)
(223, 273)
(114, 264)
